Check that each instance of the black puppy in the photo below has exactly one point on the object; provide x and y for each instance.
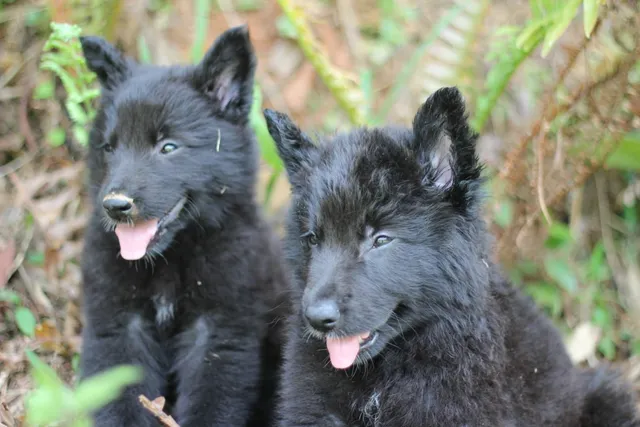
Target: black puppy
(181, 274)
(394, 283)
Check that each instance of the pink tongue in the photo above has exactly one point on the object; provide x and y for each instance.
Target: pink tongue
(135, 239)
(343, 351)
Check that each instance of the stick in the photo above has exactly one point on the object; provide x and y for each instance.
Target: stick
(155, 407)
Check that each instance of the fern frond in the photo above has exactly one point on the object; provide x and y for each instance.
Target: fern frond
(346, 93)
(508, 61)
(409, 69)
(451, 59)
(63, 58)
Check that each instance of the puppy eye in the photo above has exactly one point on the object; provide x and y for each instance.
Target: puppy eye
(108, 148)
(381, 241)
(310, 238)
(168, 148)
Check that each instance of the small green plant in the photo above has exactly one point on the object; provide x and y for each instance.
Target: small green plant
(513, 45)
(24, 318)
(52, 403)
(63, 57)
(578, 280)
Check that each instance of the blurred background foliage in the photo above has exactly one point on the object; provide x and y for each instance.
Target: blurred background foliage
(553, 88)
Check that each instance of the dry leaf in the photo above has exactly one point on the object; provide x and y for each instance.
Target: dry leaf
(49, 338)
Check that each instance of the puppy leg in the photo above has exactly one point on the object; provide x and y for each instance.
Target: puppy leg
(218, 375)
(104, 349)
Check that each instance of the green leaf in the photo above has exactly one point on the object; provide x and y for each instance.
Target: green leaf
(44, 90)
(35, 257)
(144, 53)
(285, 28)
(26, 321)
(366, 87)
(607, 347)
(532, 34)
(504, 214)
(76, 112)
(509, 60)
(561, 272)
(547, 296)
(559, 236)
(42, 373)
(56, 137)
(45, 405)
(96, 391)
(249, 5)
(542, 8)
(391, 32)
(602, 317)
(528, 267)
(626, 156)
(259, 124)
(598, 269)
(561, 22)
(84, 421)
(590, 15)
(7, 295)
(81, 135)
(66, 32)
(75, 363)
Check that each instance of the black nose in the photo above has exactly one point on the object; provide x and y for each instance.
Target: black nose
(117, 205)
(323, 315)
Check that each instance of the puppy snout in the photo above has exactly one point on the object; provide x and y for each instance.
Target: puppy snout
(118, 206)
(323, 315)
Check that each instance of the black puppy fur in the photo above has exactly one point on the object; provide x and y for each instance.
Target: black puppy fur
(386, 225)
(199, 311)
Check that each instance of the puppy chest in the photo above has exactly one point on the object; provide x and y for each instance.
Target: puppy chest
(165, 308)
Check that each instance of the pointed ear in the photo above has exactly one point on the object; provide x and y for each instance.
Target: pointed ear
(444, 141)
(226, 73)
(294, 147)
(107, 62)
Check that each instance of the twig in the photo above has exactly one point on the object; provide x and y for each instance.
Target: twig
(607, 237)
(5, 416)
(540, 178)
(16, 164)
(35, 291)
(550, 111)
(155, 407)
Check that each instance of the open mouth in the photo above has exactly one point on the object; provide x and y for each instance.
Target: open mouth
(136, 238)
(343, 351)
(368, 340)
